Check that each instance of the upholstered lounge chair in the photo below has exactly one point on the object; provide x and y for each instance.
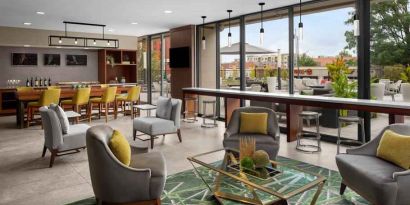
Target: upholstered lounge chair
(166, 121)
(377, 180)
(113, 182)
(269, 143)
(54, 139)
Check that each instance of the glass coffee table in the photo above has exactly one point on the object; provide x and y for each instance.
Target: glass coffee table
(229, 185)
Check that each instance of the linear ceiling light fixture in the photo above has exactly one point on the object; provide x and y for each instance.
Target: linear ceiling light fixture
(229, 33)
(203, 33)
(84, 42)
(300, 21)
(261, 31)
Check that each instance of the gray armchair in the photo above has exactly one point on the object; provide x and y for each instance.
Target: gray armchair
(378, 181)
(166, 121)
(54, 139)
(269, 143)
(113, 182)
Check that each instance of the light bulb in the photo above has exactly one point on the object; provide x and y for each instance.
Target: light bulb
(261, 36)
(356, 27)
(94, 42)
(203, 43)
(60, 41)
(108, 43)
(300, 31)
(229, 39)
(75, 42)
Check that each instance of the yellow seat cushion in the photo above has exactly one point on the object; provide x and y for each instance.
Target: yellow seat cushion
(34, 104)
(255, 123)
(120, 147)
(394, 147)
(67, 102)
(95, 100)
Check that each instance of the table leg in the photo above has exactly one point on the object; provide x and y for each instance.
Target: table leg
(20, 114)
(230, 105)
(292, 121)
(319, 190)
(396, 118)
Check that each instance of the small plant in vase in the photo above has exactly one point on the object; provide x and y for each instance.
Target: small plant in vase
(251, 161)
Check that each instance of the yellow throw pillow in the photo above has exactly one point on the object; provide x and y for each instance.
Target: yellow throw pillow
(120, 147)
(394, 147)
(255, 123)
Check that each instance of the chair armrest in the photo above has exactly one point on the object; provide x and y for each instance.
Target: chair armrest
(396, 175)
(369, 148)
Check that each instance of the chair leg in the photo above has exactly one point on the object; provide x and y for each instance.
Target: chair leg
(135, 134)
(44, 151)
(152, 142)
(28, 116)
(90, 110)
(342, 188)
(106, 112)
(179, 135)
(158, 201)
(53, 155)
(76, 108)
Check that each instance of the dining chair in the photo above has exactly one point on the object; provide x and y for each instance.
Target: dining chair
(47, 98)
(107, 100)
(80, 99)
(131, 98)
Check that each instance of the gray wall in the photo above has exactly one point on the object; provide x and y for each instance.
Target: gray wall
(56, 73)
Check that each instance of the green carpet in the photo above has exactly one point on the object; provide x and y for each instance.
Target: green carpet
(185, 188)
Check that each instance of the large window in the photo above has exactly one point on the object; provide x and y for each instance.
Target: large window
(267, 58)
(142, 78)
(156, 67)
(389, 56)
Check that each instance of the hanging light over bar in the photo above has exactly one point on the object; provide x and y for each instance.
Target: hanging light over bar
(83, 42)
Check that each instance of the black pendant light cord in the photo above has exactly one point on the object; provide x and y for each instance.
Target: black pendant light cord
(229, 20)
(300, 11)
(261, 4)
(203, 27)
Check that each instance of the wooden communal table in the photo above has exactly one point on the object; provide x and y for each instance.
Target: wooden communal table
(295, 102)
(66, 93)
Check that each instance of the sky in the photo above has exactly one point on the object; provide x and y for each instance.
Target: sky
(323, 34)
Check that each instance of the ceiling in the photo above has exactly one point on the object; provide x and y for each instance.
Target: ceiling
(119, 14)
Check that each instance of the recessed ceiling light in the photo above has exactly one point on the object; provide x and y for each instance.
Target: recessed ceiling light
(27, 23)
(134, 23)
(168, 11)
(26, 45)
(40, 12)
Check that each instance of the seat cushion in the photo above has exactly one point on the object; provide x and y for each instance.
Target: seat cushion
(95, 100)
(263, 142)
(120, 147)
(370, 176)
(67, 102)
(154, 125)
(164, 108)
(394, 148)
(76, 137)
(254, 123)
(62, 116)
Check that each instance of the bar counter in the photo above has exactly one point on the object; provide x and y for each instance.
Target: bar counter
(295, 102)
(67, 92)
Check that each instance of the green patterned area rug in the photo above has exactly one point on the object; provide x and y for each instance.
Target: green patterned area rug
(186, 188)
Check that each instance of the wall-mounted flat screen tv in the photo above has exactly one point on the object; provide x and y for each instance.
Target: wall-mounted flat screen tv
(179, 57)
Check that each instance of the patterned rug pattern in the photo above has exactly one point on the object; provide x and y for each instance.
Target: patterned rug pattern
(186, 188)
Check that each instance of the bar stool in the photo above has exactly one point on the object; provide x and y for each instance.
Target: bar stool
(47, 98)
(211, 116)
(190, 113)
(350, 119)
(308, 115)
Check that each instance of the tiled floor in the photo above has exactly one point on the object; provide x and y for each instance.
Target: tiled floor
(26, 179)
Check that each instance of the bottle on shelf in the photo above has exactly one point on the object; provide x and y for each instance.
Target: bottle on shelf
(41, 82)
(49, 81)
(31, 82)
(45, 83)
(36, 82)
(27, 83)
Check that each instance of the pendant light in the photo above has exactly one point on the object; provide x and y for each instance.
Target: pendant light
(356, 26)
(203, 33)
(229, 33)
(300, 21)
(76, 42)
(261, 31)
(60, 41)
